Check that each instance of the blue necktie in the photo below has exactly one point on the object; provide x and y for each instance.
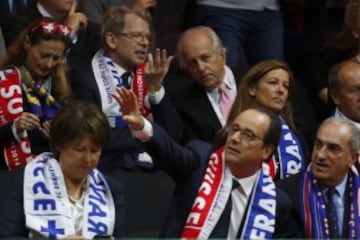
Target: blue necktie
(125, 79)
(332, 213)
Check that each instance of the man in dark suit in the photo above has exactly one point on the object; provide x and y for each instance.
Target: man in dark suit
(344, 89)
(326, 195)
(202, 56)
(85, 35)
(223, 193)
(121, 62)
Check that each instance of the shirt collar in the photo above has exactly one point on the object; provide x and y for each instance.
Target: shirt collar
(43, 11)
(339, 114)
(247, 183)
(340, 188)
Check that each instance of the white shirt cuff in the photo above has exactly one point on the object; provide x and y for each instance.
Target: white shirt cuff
(144, 134)
(15, 133)
(156, 97)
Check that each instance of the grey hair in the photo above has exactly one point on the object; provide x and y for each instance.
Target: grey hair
(114, 19)
(354, 141)
(217, 44)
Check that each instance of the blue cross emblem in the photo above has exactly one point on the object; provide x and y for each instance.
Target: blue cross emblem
(52, 230)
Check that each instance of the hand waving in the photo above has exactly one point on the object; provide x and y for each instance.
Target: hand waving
(156, 68)
(129, 108)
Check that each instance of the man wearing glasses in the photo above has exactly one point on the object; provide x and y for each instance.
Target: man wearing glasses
(222, 193)
(124, 61)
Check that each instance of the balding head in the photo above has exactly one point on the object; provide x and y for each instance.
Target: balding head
(344, 86)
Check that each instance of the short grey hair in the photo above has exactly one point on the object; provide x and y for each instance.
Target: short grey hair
(354, 140)
(217, 44)
(114, 19)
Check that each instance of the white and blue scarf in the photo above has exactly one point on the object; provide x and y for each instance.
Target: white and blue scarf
(214, 193)
(48, 209)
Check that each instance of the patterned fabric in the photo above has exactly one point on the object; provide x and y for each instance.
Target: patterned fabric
(42, 103)
(313, 206)
(332, 212)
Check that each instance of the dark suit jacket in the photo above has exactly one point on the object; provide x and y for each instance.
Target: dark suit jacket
(12, 220)
(122, 149)
(198, 116)
(291, 187)
(186, 165)
(88, 40)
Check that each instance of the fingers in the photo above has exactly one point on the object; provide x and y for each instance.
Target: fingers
(27, 121)
(73, 7)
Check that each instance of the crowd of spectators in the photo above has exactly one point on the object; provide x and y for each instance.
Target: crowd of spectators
(239, 102)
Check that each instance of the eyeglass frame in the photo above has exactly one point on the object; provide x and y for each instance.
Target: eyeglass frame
(233, 129)
(134, 35)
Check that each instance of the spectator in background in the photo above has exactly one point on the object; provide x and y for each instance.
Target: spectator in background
(96, 9)
(84, 203)
(344, 89)
(205, 104)
(343, 45)
(85, 35)
(267, 84)
(325, 197)
(127, 38)
(34, 78)
(252, 31)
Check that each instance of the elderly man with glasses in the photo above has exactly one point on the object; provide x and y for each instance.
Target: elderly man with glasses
(124, 61)
(221, 193)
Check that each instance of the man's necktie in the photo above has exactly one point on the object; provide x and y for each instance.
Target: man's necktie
(237, 210)
(332, 213)
(126, 79)
(225, 100)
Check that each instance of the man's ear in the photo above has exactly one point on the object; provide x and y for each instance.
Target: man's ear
(268, 150)
(111, 40)
(354, 158)
(26, 43)
(335, 97)
(223, 52)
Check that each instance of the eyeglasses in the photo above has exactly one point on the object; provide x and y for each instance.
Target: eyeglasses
(49, 27)
(137, 36)
(244, 134)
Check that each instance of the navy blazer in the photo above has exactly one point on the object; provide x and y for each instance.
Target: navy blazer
(122, 149)
(12, 217)
(187, 165)
(198, 116)
(291, 186)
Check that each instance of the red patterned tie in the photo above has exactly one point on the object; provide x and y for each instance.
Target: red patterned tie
(225, 100)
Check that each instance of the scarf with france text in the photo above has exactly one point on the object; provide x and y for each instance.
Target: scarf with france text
(108, 78)
(47, 205)
(17, 152)
(313, 210)
(289, 155)
(214, 193)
